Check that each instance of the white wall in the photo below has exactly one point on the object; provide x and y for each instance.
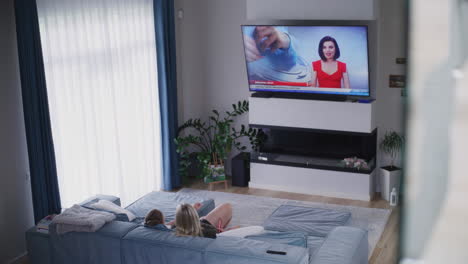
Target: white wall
(392, 44)
(191, 72)
(211, 66)
(16, 213)
(311, 9)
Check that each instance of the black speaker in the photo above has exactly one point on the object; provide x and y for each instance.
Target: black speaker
(241, 169)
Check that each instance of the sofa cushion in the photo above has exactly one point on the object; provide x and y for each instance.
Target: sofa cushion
(102, 246)
(145, 245)
(313, 221)
(244, 231)
(246, 251)
(167, 203)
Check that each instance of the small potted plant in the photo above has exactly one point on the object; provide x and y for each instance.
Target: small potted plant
(391, 145)
(212, 141)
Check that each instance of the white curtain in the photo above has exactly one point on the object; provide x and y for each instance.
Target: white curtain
(101, 74)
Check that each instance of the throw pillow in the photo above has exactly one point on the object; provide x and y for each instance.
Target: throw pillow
(112, 207)
(243, 231)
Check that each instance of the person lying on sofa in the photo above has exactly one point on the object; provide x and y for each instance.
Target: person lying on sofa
(188, 223)
(155, 219)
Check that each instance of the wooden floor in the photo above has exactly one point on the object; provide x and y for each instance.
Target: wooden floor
(386, 250)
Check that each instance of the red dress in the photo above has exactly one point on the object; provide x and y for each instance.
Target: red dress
(326, 80)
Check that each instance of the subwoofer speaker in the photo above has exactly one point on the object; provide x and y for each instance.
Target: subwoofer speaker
(241, 169)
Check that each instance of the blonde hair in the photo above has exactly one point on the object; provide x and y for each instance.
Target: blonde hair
(187, 221)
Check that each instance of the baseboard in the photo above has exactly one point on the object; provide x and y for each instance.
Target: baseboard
(19, 259)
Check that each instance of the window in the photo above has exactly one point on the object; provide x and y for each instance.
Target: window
(101, 74)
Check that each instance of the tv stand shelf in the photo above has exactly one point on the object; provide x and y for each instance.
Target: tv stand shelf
(308, 162)
(301, 96)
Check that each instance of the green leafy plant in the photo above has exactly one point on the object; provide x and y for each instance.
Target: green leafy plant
(391, 144)
(212, 141)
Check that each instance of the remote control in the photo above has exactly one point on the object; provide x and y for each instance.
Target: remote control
(276, 252)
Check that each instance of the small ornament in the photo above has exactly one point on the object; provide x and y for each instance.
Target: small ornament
(393, 197)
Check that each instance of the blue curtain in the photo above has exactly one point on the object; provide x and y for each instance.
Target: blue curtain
(44, 183)
(166, 46)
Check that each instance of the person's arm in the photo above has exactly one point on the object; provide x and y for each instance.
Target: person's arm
(251, 51)
(346, 83)
(276, 44)
(197, 206)
(270, 37)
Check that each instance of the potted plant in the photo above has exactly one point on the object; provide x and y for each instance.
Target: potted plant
(391, 144)
(212, 141)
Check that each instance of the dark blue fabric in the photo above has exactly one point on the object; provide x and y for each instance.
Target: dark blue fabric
(165, 43)
(44, 183)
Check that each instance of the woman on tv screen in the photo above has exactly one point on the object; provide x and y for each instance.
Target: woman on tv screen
(328, 72)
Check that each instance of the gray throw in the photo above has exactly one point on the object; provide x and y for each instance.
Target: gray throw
(80, 219)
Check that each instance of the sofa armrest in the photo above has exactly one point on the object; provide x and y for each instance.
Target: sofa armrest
(102, 246)
(343, 245)
(38, 245)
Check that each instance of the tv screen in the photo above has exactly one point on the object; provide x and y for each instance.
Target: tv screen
(307, 59)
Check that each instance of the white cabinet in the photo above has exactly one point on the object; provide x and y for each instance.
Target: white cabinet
(356, 186)
(331, 117)
(325, 115)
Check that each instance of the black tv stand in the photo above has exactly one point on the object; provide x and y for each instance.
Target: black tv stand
(263, 94)
(302, 96)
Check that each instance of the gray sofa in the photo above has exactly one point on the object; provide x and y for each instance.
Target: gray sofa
(130, 242)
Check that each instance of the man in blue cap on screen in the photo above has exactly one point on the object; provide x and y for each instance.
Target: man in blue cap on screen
(271, 55)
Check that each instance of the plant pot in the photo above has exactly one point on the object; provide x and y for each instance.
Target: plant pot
(390, 179)
(217, 174)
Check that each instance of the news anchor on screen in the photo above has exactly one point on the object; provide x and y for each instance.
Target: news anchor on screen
(328, 72)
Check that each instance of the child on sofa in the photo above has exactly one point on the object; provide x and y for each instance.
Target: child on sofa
(155, 219)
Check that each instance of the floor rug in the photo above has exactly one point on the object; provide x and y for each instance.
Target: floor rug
(253, 210)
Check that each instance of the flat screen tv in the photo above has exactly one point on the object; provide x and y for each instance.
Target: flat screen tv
(317, 59)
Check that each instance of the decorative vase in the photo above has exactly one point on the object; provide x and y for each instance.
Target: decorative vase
(217, 174)
(390, 179)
